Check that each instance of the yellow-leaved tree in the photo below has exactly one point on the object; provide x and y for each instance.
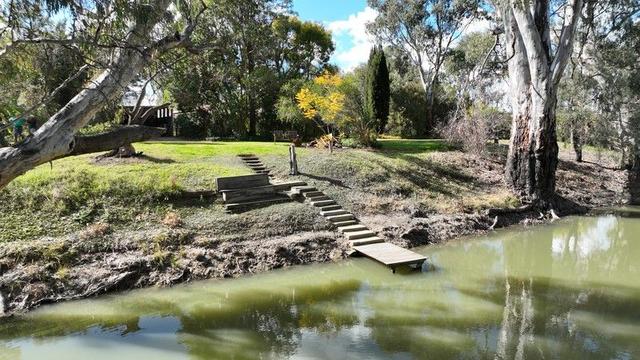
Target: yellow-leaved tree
(322, 101)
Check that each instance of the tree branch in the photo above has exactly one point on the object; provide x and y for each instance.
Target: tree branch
(565, 45)
(113, 139)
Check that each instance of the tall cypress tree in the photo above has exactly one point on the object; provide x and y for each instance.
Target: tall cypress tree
(377, 90)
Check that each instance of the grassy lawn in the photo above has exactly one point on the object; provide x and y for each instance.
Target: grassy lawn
(412, 146)
(72, 193)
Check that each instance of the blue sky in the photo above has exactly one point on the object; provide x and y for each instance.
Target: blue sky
(347, 20)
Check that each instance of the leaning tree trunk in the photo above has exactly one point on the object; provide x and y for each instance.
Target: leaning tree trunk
(534, 76)
(57, 137)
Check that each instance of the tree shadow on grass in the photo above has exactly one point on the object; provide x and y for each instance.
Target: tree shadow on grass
(332, 181)
(429, 175)
(156, 160)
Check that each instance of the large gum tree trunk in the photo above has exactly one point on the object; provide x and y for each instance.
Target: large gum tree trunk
(57, 137)
(534, 75)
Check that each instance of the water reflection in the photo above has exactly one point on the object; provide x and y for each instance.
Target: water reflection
(567, 291)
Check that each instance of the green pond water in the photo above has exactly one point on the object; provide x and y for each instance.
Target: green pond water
(570, 290)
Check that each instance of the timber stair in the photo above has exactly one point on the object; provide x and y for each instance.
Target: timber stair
(246, 192)
(362, 240)
(255, 164)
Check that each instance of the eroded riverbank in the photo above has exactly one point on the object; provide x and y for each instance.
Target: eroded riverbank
(568, 290)
(206, 243)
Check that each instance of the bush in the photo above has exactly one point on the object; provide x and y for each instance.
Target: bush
(191, 125)
(479, 124)
(400, 125)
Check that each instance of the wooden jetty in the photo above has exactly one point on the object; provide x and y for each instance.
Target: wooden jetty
(390, 255)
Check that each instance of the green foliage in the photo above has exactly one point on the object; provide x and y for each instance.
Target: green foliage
(400, 125)
(192, 125)
(377, 88)
(236, 86)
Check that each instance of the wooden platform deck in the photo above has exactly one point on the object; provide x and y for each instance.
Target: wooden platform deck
(390, 255)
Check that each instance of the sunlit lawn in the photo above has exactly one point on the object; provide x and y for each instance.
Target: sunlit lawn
(72, 192)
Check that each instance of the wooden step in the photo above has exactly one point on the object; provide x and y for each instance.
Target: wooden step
(366, 241)
(310, 194)
(255, 203)
(303, 189)
(241, 182)
(361, 234)
(343, 217)
(321, 203)
(351, 228)
(318, 198)
(330, 207)
(251, 161)
(334, 212)
(250, 158)
(254, 165)
(261, 168)
(345, 223)
(229, 195)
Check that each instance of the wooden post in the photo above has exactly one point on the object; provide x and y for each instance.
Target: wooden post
(331, 141)
(293, 162)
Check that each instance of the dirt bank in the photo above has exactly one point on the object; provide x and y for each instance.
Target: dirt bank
(206, 244)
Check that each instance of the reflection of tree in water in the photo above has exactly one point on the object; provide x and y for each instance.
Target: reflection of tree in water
(526, 311)
(262, 323)
(542, 316)
(250, 324)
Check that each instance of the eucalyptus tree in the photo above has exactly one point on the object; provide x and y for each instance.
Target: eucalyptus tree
(536, 63)
(117, 39)
(425, 31)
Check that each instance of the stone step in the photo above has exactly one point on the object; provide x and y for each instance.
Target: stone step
(361, 234)
(257, 164)
(310, 194)
(321, 203)
(334, 212)
(345, 223)
(261, 168)
(352, 228)
(330, 207)
(343, 217)
(250, 158)
(366, 241)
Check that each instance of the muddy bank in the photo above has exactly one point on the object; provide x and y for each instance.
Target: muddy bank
(52, 270)
(92, 263)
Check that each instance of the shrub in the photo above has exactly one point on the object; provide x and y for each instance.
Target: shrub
(400, 125)
(479, 124)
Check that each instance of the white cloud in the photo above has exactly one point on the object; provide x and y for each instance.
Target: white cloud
(478, 25)
(353, 44)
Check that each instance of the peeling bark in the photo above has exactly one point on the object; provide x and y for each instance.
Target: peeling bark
(114, 139)
(534, 75)
(56, 138)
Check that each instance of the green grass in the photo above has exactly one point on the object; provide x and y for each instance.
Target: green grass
(413, 146)
(72, 193)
